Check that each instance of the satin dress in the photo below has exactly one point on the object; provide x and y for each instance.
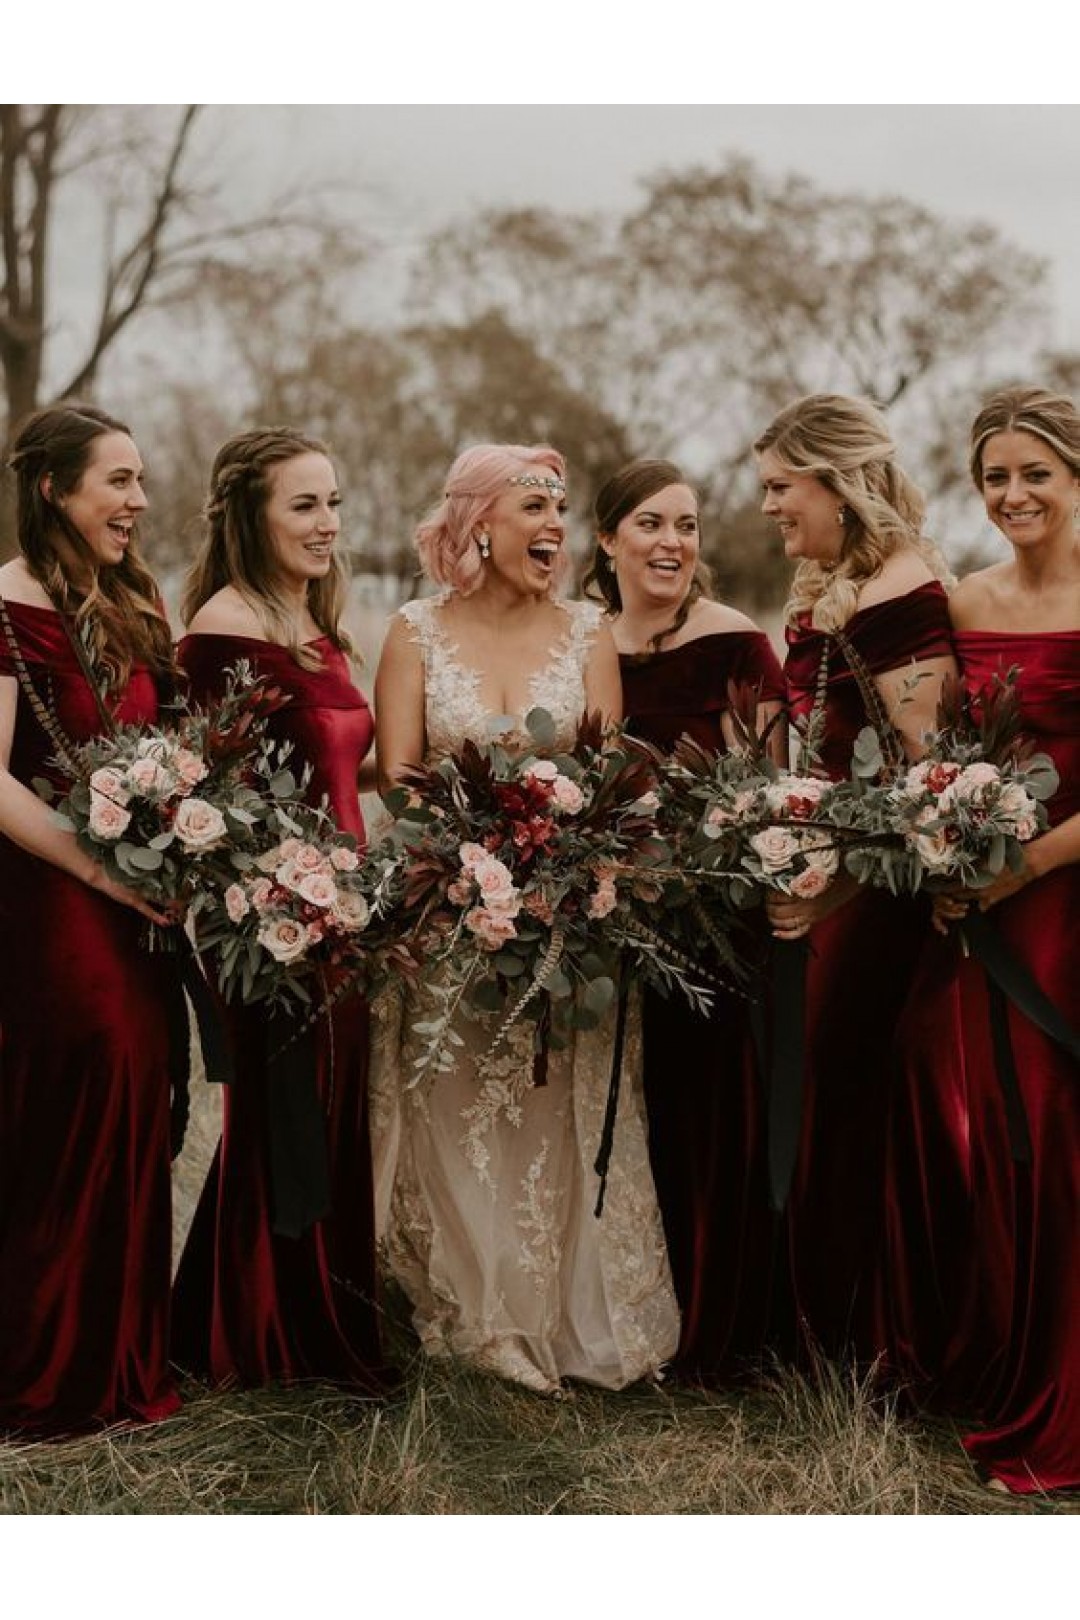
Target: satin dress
(860, 963)
(85, 1216)
(253, 1306)
(703, 1090)
(990, 1322)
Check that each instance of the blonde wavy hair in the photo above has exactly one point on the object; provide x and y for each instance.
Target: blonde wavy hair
(118, 615)
(238, 549)
(1053, 418)
(845, 443)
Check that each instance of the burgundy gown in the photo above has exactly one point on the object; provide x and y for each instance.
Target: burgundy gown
(703, 1092)
(252, 1306)
(85, 1218)
(860, 963)
(990, 1322)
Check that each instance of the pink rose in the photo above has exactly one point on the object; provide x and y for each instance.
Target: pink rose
(775, 848)
(460, 892)
(351, 911)
(199, 825)
(567, 795)
(807, 885)
(149, 776)
(493, 879)
(470, 855)
(343, 858)
(285, 939)
(189, 767)
(604, 900)
(317, 889)
(931, 844)
(491, 930)
(236, 903)
(260, 893)
(107, 818)
(543, 770)
(110, 784)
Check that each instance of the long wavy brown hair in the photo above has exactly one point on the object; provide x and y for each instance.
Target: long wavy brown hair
(238, 550)
(846, 444)
(117, 610)
(622, 494)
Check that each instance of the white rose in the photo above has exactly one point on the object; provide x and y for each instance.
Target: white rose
(199, 825)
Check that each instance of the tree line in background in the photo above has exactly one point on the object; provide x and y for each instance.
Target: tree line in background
(676, 328)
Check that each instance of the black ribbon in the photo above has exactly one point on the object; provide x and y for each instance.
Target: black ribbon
(1006, 977)
(186, 986)
(787, 1065)
(607, 1135)
(296, 1130)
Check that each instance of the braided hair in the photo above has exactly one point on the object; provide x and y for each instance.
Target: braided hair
(238, 550)
(117, 610)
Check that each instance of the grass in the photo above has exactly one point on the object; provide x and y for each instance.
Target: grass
(459, 1442)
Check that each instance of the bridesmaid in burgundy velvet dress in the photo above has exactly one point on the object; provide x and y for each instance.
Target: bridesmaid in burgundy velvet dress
(678, 649)
(868, 637)
(85, 1221)
(253, 1305)
(1010, 1348)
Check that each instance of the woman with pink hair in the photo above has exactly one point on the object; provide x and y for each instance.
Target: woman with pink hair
(488, 1224)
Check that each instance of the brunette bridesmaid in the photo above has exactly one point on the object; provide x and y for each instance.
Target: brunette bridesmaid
(262, 1298)
(1000, 1336)
(85, 1222)
(868, 643)
(678, 651)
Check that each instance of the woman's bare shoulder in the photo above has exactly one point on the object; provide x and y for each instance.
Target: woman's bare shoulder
(226, 613)
(709, 618)
(17, 584)
(903, 571)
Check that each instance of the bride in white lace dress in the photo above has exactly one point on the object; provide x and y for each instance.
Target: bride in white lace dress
(487, 1212)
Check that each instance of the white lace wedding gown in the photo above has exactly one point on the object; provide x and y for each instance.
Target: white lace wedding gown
(485, 1192)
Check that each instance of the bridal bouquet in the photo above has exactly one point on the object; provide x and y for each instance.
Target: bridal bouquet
(294, 914)
(153, 802)
(744, 822)
(526, 878)
(963, 811)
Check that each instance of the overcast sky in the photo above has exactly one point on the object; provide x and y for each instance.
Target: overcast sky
(1016, 167)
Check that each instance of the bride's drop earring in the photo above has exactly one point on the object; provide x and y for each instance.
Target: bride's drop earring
(484, 542)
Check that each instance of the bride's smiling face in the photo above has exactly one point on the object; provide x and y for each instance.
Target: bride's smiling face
(526, 529)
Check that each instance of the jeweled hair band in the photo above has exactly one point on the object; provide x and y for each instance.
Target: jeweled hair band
(554, 486)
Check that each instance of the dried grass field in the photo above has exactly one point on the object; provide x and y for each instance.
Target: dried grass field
(455, 1442)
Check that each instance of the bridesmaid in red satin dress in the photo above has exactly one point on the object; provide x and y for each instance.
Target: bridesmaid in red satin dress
(1015, 1327)
(253, 1305)
(678, 649)
(868, 639)
(85, 1218)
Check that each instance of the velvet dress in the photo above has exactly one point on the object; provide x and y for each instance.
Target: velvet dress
(860, 961)
(703, 1092)
(85, 1217)
(251, 1305)
(989, 1324)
